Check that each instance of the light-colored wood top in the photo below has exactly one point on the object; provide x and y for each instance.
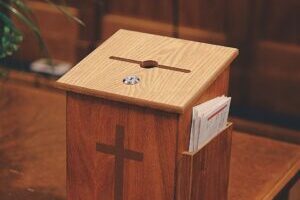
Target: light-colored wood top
(100, 76)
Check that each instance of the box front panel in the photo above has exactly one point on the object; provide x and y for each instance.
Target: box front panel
(118, 151)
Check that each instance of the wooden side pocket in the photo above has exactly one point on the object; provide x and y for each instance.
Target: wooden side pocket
(204, 174)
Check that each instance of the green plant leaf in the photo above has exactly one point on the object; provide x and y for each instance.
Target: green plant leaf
(11, 37)
(21, 6)
(30, 24)
(65, 11)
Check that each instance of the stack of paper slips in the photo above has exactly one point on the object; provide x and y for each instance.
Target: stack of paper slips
(208, 120)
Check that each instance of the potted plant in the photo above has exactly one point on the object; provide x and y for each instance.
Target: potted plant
(11, 37)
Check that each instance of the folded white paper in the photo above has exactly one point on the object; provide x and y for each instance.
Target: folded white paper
(208, 120)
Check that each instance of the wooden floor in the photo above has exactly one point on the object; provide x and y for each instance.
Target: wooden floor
(32, 151)
(32, 144)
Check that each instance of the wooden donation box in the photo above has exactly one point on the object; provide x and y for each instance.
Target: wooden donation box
(129, 109)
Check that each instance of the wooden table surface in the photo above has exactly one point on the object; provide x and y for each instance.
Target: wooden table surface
(33, 156)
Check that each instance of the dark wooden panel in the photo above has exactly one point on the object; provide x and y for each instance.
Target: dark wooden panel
(146, 16)
(265, 76)
(237, 25)
(203, 14)
(280, 21)
(274, 79)
(202, 35)
(266, 130)
(158, 10)
(90, 12)
(112, 23)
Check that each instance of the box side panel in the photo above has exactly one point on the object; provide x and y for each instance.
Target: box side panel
(119, 151)
(211, 168)
(217, 88)
(204, 174)
(80, 153)
(185, 177)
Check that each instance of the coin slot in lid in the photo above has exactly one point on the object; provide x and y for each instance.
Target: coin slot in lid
(148, 64)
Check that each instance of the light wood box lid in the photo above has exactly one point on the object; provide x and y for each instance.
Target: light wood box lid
(168, 90)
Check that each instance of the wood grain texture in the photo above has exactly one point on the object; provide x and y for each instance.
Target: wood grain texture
(202, 35)
(266, 130)
(196, 170)
(203, 14)
(280, 21)
(158, 10)
(276, 70)
(260, 167)
(267, 32)
(32, 143)
(218, 88)
(97, 75)
(111, 23)
(32, 151)
(153, 133)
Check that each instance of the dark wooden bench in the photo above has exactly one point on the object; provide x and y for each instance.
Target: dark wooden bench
(261, 168)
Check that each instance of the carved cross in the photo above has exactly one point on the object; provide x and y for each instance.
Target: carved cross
(120, 154)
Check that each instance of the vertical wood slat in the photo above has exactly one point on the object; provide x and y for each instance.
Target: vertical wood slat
(203, 14)
(196, 170)
(218, 88)
(157, 10)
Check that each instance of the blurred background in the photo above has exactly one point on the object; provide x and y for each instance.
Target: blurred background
(264, 80)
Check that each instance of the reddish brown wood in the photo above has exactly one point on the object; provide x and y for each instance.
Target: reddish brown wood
(33, 154)
(154, 133)
(98, 107)
(196, 170)
(266, 130)
(158, 10)
(92, 120)
(218, 88)
(261, 167)
(208, 15)
(120, 154)
(32, 150)
(32, 142)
